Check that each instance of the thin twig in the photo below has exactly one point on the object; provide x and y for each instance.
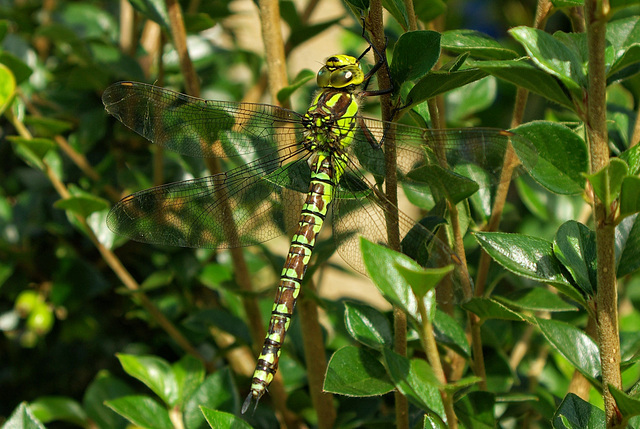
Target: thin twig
(597, 13)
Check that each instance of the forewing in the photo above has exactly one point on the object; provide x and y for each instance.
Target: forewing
(241, 207)
(201, 128)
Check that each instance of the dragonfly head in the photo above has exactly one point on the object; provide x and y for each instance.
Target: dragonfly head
(340, 71)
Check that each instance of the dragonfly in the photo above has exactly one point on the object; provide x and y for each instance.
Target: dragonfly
(325, 163)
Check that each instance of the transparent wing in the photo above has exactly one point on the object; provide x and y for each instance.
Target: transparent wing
(202, 212)
(201, 128)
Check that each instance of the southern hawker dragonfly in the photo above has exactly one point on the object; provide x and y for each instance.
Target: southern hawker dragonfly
(327, 160)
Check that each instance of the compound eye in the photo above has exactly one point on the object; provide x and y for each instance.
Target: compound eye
(323, 78)
(341, 78)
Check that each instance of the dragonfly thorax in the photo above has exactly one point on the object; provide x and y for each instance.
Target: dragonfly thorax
(330, 121)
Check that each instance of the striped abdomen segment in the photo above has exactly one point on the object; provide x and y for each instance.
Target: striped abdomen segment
(312, 217)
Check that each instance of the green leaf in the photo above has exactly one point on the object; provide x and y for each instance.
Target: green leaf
(628, 245)
(7, 87)
(381, 265)
(632, 157)
(103, 388)
(575, 413)
(414, 54)
(554, 56)
(562, 156)
(475, 97)
(51, 408)
(83, 205)
(22, 418)
(155, 10)
(189, 374)
(221, 420)
(535, 299)
(624, 37)
(529, 257)
(355, 371)
(156, 373)
(416, 380)
(368, 326)
(398, 10)
(304, 32)
(444, 183)
(480, 45)
(142, 411)
(628, 405)
(487, 308)
(428, 10)
(630, 196)
(218, 391)
(423, 280)
(19, 69)
(438, 82)
(450, 333)
(47, 127)
(522, 73)
(303, 77)
(607, 182)
(575, 346)
(575, 247)
(32, 151)
(476, 410)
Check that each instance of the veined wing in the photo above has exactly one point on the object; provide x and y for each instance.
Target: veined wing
(468, 151)
(199, 213)
(201, 128)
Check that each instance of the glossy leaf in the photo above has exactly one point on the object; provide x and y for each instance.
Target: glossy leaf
(428, 10)
(445, 183)
(19, 69)
(628, 245)
(607, 182)
(51, 408)
(449, 333)
(630, 196)
(424, 280)
(141, 411)
(574, 345)
(368, 326)
(398, 10)
(438, 82)
(624, 37)
(628, 405)
(562, 156)
(553, 56)
(575, 413)
(355, 371)
(575, 247)
(480, 45)
(381, 264)
(217, 391)
(23, 418)
(221, 420)
(153, 9)
(415, 53)
(535, 299)
(632, 157)
(156, 373)
(189, 374)
(523, 74)
(416, 380)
